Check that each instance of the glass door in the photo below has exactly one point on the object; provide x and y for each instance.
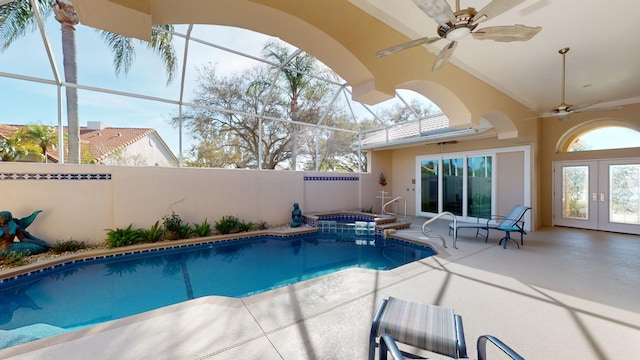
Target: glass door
(429, 186)
(598, 195)
(461, 185)
(452, 183)
(619, 196)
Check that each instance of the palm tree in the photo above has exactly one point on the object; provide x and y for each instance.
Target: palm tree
(43, 136)
(294, 71)
(18, 16)
(15, 148)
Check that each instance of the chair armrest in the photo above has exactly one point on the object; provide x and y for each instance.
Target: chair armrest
(494, 218)
(482, 347)
(374, 328)
(387, 344)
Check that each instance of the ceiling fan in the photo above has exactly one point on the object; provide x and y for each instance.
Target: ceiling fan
(563, 110)
(455, 26)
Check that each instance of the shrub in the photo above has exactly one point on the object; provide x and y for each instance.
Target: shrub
(230, 225)
(174, 227)
(68, 246)
(122, 237)
(12, 258)
(184, 232)
(203, 229)
(154, 233)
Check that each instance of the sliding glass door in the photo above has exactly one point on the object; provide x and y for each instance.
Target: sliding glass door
(462, 185)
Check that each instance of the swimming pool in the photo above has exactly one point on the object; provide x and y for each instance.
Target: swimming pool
(95, 291)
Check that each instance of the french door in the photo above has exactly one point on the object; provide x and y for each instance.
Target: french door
(598, 195)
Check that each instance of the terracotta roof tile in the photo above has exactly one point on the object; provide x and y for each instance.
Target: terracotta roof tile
(105, 141)
(7, 130)
(100, 143)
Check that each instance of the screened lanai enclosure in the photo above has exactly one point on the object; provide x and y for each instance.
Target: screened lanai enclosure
(218, 96)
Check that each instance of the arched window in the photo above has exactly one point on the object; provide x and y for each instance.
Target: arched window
(604, 138)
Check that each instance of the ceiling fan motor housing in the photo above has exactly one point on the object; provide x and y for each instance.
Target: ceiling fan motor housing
(462, 26)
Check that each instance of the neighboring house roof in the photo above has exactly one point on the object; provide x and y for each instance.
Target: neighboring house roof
(103, 142)
(99, 141)
(7, 130)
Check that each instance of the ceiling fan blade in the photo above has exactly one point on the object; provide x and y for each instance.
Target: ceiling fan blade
(582, 105)
(438, 10)
(408, 44)
(542, 115)
(493, 9)
(444, 56)
(606, 108)
(506, 33)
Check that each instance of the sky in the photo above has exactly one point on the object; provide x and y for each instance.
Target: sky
(29, 102)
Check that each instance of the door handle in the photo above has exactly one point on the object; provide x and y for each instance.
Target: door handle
(602, 197)
(594, 197)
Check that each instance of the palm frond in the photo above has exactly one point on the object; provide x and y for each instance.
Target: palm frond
(17, 17)
(123, 51)
(161, 43)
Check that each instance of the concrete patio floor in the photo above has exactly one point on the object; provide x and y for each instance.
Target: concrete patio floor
(566, 293)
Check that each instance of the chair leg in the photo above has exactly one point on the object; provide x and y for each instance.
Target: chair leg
(506, 239)
(374, 329)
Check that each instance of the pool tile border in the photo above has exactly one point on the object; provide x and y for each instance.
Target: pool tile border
(54, 176)
(32, 269)
(331, 178)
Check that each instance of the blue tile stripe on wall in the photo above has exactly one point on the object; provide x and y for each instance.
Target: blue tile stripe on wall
(49, 176)
(331, 178)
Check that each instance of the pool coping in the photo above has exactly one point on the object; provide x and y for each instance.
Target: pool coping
(11, 274)
(383, 223)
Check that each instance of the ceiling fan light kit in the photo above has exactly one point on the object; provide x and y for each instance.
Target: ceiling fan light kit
(462, 26)
(455, 26)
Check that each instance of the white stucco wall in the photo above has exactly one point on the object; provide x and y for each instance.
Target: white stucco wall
(81, 201)
(148, 151)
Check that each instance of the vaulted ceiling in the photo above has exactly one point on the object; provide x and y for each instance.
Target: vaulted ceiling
(601, 65)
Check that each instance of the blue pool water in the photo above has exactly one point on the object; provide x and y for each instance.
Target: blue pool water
(87, 293)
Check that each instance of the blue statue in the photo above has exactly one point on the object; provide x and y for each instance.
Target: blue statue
(11, 228)
(296, 216)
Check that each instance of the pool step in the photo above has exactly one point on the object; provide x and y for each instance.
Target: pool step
(394, 225)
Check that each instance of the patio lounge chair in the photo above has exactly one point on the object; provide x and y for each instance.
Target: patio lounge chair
(509, 223)
(389, 346)
(512, 222)
(432, 328)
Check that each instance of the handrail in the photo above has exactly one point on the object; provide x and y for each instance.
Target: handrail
(395, 200)
(455, 228)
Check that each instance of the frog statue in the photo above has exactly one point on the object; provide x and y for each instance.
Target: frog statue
(11, 228)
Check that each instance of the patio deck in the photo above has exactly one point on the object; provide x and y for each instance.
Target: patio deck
(566, 293)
